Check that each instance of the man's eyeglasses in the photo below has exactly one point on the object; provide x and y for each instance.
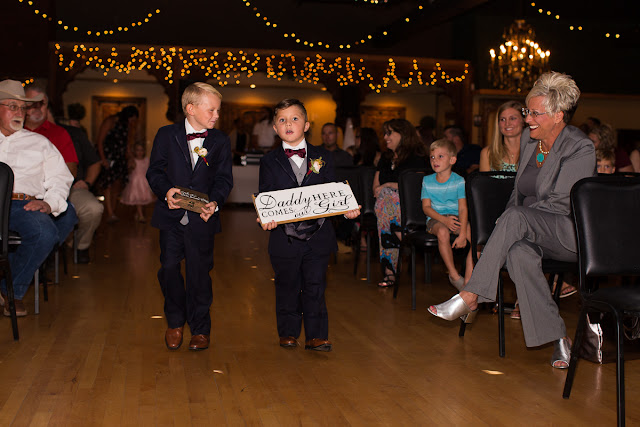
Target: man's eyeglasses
(15, 107)
(535, 114)
(35, 105)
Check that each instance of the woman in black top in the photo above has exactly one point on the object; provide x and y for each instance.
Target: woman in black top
(404, 151)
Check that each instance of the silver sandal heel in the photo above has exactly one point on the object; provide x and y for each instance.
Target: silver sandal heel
(561, 353)
(453, 309)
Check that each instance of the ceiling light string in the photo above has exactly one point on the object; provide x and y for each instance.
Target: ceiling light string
(571, 27)
(294, 35)
(98, 33)
(236, 67)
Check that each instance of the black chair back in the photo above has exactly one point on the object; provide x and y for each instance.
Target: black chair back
(409, 189)
(487, 196)
(6, 188)
(368, 202)
(606, 210)
(352, 175)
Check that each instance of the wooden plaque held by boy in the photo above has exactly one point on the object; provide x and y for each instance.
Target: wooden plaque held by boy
(191, 200)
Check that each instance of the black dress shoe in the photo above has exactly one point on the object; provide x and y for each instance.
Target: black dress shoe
(83, 256)
(288, 342)
(318, 344)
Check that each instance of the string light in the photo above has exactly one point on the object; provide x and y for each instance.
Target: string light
(93, 32)
(319, 43)
(571, 27)
(236, 67)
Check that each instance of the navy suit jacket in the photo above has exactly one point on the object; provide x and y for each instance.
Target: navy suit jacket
(170, 166)
(276, 174)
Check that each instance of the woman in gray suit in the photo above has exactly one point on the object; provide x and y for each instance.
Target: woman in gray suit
(536, 223)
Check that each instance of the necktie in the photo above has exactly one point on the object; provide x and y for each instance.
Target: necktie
(289, 152)
(191, 136)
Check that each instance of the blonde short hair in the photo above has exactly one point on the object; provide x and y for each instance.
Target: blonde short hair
(194, 92)
(560, 94)
(444, 143)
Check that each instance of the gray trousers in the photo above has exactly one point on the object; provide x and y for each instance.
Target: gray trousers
(521, 238)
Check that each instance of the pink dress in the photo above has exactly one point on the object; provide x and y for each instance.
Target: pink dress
(137, 191)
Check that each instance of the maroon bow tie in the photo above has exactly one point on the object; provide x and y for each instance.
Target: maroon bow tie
(191, 136)
(301, 152)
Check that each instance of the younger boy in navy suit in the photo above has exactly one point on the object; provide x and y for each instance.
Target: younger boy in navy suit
(299, 251)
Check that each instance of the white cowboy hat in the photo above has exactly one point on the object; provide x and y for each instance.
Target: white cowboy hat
(12, 89)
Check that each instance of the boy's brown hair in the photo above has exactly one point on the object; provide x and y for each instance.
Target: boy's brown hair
(446, 144)
(607, 155)
(290, 102)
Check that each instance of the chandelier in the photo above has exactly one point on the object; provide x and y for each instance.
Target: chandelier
(520, 60)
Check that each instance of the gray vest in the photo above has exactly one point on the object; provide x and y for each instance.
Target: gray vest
(301, 171)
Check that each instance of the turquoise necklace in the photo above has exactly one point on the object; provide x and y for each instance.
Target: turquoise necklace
(542, 154)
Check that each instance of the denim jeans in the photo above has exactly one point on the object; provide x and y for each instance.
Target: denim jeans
(65, 222)
(39, 235)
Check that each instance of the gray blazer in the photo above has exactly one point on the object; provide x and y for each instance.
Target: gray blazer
(572, 157)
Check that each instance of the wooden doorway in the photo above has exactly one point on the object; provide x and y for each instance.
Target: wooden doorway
(105, 106)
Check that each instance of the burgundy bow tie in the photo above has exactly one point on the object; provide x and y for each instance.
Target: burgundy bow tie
(301, 152)
(191, 136)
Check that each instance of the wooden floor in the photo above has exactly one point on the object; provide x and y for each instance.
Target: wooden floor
(95, 354)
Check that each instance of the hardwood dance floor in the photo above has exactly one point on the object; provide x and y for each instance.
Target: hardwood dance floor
(95, 354)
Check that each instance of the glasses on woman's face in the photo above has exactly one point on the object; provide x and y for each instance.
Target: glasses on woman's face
(534, 114)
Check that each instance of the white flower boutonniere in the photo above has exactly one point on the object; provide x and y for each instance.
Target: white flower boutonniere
(202, 152)
(315, 165)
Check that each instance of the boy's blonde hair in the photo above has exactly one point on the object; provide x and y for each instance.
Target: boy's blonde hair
(446, 144)
(606, 155)
(194, 92)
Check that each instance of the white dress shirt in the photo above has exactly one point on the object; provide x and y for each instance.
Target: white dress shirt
(197, 142)
(38, 168)
(297, 159)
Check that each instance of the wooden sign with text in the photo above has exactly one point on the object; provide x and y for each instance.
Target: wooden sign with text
(191, 200)
(301, 203)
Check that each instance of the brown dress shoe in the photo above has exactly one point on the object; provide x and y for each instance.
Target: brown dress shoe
(317, 344)
(199, 342)
(173, 338)
(288, 342)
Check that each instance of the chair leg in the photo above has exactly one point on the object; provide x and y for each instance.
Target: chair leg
(558, 290)
(398, 268)
(427, 266)
(368, 257)
(356, 254)
(501, 345)
(36, 292)
(56, 266)
(12, 304)
(573, 362)
(413, 278)
(75, 245)
(620, 368)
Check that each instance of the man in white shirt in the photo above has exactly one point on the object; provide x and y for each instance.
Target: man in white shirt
(41, 187)
(263, 135)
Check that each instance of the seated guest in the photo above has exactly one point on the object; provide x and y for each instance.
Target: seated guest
(36, 121)
(445, 205)
(635, 160)
(367, 148)
(404, 151)
(468, 154)
(503, 151)
(330, 142)
(87, 206)
(605, 161)
(536, 223)
(604, 138)
(40, 189)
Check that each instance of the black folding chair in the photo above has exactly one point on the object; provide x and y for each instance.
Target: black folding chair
(6, 188)
(487, 196)
(414, 227)
(606, 211)
(368, 221)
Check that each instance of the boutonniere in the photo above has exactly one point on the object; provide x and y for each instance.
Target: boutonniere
(202, 152)
(315, 165)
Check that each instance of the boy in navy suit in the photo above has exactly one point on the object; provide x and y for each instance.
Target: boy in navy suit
(190, 154)
(299, 251)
